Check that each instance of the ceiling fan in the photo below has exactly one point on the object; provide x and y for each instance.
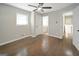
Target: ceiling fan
(40, 7)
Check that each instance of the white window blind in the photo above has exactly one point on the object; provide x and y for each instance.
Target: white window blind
(22, 19)
(45, 20)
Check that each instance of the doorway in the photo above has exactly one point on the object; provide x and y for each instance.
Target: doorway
(45, 25)
(67, 26)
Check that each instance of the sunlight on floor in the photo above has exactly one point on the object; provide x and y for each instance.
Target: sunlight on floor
(68, 30)
(45, 44)
(68, 52)
(22, 52)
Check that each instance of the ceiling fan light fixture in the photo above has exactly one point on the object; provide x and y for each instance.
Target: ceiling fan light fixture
(39, 8)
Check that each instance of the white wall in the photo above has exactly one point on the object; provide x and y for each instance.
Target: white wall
(32, 24)
(38, 24)
(76, 27)
(8, 29)
(57, 29)
(56, 21)
(55, 24)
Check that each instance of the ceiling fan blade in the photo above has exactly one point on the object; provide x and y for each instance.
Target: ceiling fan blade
(47, 7)
(40, 4)
(32, 6)
(35, 10)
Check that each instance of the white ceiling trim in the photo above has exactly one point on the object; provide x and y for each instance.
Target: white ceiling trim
(55, 6)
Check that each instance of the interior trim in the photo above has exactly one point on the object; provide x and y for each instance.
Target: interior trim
(13, 40)
(76, 45)
(60, 37)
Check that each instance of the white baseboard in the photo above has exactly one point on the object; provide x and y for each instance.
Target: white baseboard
(60, 37)
(24, 37)
(35, 35)
(13, 40)
(76, 45)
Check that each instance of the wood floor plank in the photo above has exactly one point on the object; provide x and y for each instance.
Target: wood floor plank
(41, 45)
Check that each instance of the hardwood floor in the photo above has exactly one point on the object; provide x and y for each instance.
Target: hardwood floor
(41, 45)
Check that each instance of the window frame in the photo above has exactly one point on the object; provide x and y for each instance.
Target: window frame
(17, 19)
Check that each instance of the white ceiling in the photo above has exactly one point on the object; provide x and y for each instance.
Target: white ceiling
(55, 6)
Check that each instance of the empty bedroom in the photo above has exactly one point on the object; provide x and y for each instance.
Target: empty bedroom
(39, 29)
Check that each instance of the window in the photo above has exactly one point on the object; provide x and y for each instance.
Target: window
(45, 20)
(22, 19)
